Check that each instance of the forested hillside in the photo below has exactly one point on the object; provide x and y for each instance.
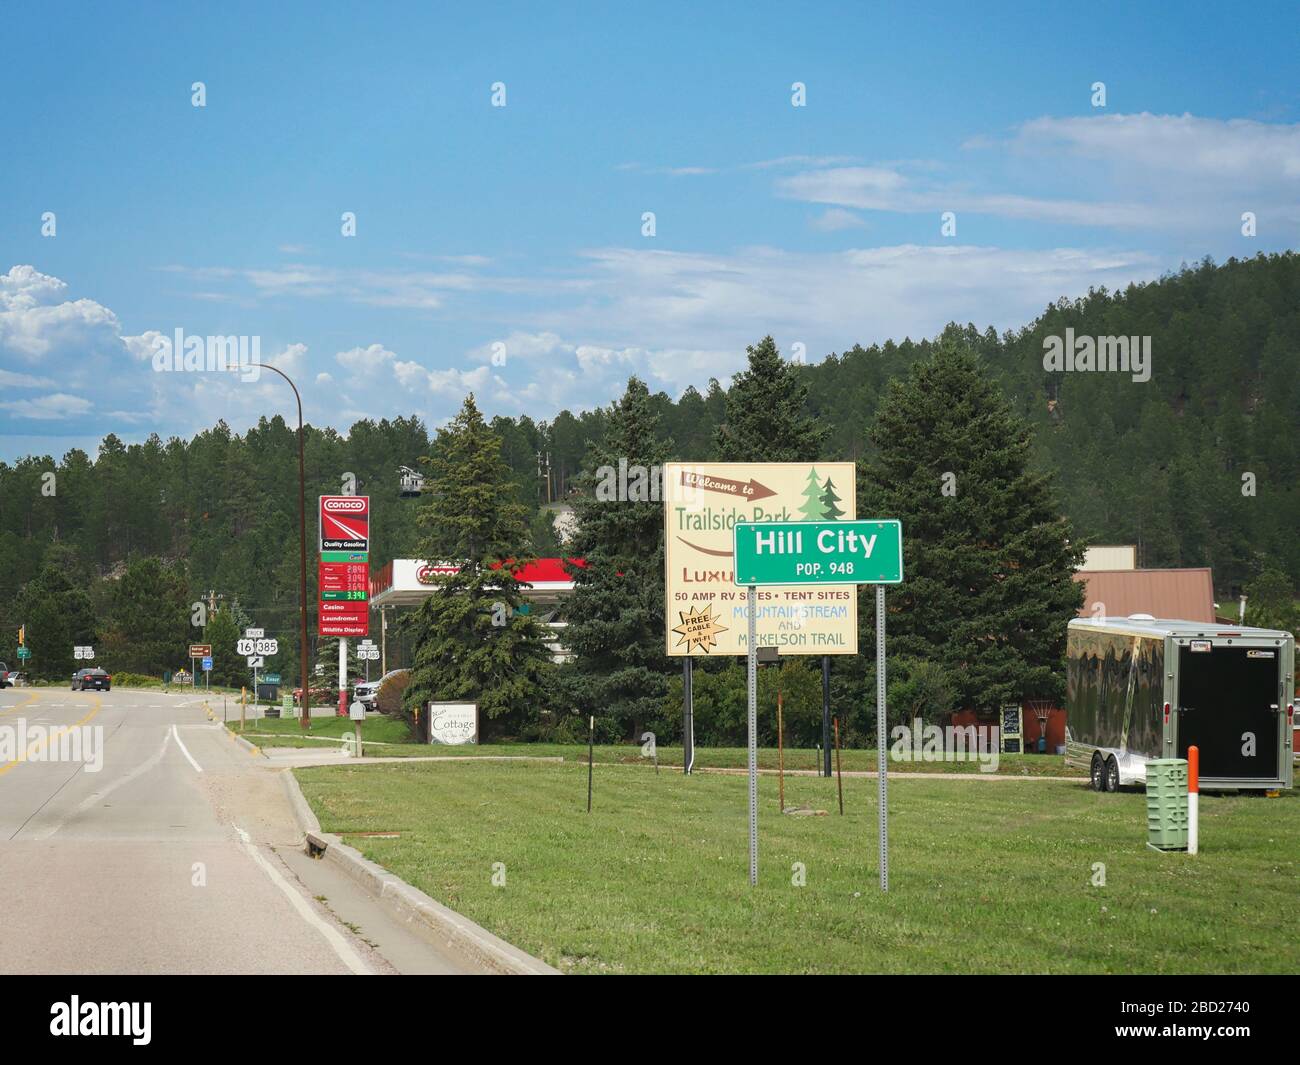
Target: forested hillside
(1198, 466)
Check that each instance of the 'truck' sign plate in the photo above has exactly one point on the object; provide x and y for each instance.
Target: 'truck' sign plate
(819, 552)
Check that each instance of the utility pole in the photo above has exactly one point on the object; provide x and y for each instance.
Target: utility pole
(302, 540)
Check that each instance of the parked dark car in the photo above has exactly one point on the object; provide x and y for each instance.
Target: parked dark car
(5, 682)
(91, 678)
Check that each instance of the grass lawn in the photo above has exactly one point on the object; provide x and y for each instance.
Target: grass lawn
(286, 732)
(984, 877)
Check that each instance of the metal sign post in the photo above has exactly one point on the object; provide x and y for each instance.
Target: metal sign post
(825, 553)
(826, 716)
(753, 737)
(688, 716)
(881, 761)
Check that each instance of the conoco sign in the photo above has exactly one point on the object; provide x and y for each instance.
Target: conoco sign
(345, 523)
(429, 574)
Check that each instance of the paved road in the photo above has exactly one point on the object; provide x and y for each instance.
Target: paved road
(170, 857)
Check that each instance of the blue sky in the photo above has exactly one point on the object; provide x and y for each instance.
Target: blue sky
(522, 225)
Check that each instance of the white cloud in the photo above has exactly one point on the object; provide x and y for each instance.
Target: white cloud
(1161, 172)
(690, 315)
(880, 189)
(451, 382)
(36, 320)
(522, 345)
(454, 382)
(369, 360)
(835, 219)
(9, 379)
(1237, 150)
(143, 347)
(53, 407)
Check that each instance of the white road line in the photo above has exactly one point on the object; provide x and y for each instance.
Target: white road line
(197, 768)
(346, 954)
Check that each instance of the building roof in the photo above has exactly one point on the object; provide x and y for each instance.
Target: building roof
(1163, 593)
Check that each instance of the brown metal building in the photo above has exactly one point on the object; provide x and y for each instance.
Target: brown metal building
(1185, 594)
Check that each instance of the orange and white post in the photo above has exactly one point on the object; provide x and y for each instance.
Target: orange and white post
(1193, 796)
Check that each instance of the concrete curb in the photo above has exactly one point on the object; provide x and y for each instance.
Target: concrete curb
(410, 905)
(251, 748)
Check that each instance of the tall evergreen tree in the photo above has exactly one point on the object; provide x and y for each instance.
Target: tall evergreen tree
(59, 616)
(471, 641)
(988, 586)
(149, 618)
(616, 615)
(327, 658)
(766, 415)
(228, 665)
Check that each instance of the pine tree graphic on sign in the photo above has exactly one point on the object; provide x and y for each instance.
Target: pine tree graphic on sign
(813, 508)
(830, 512)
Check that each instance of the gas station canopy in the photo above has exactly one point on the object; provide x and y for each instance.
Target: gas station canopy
(407, 582)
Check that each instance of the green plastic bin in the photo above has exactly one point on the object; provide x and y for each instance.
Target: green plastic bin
(1167, 804)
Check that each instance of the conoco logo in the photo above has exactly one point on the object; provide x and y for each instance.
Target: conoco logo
(345, 505)
(427, 574)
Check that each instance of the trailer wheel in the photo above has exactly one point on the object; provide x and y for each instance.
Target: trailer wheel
(1112, 774)
(1097, 774)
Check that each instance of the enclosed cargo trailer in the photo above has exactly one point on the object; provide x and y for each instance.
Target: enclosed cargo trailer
(1139, 688)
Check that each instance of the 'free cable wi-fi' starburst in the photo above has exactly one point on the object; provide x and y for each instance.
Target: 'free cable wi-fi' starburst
(698, 628)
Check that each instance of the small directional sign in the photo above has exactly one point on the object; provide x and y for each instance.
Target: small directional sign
(819, 552)
(24, 653)
(256, 661)
(200, 650)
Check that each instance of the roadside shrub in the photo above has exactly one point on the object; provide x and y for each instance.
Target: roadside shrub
(136, 680)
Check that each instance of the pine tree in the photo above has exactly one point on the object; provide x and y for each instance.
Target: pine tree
(327, 659)
(988, 586)
(59, 616)
(766, 415)
(616, 614)
(829, 500)
(813, 508)
(228, 665)
(471, 641)
(149, 618)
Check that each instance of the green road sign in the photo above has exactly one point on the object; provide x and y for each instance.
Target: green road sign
(24, 653)
(818, 552)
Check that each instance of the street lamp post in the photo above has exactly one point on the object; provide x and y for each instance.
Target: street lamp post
(302, 538)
